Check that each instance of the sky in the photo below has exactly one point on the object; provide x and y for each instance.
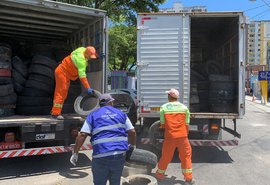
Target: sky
(254, 9)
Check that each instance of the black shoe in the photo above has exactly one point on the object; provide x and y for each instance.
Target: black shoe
(59, 117)
(192, 182)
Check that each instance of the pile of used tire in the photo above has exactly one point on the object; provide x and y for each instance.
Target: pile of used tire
(27, 79)
(216, 92)
(8, 97)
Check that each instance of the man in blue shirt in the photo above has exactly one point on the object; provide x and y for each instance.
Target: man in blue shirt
(112, 134)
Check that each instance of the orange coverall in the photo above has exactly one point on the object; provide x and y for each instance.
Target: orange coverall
(71, 67)
(174, 118)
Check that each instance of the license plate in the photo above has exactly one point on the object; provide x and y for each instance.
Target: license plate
(45, 136)
(193, 127)
(155, 109)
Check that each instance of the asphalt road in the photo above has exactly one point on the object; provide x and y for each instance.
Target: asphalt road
(246, 164)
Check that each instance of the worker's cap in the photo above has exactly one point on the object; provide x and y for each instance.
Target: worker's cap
(105, 98)
(173, 93)
(91, 51)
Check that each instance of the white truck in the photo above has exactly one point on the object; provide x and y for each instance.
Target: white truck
(40, 27)
(203, 55)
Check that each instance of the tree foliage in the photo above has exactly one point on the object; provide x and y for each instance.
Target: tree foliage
(122, 46)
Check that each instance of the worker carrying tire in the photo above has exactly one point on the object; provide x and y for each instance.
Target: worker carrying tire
(174, 119)
(71, 67)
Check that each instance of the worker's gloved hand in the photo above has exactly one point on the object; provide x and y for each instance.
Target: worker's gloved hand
(74, 159)
(90, 91)
(129, 152)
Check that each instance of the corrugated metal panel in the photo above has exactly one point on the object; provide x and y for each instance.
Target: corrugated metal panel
(43, 19)
(161, 53)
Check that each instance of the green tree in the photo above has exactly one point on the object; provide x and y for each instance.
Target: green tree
(117, 8)
(122, 46)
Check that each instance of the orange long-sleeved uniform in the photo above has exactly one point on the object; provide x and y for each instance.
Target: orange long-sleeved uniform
(175, 117)
(72, 67)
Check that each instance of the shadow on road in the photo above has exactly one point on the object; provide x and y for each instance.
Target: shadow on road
(45, 164)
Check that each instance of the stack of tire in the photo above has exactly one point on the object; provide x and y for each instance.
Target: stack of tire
(203, 91)
(194, 98)
(221, 94)
(7, 96)
(37, 96)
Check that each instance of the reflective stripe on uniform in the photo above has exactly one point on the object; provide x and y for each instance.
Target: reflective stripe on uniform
(186, 170)
(58, 105)
(119, 125)
(105, 140)
(161, 171)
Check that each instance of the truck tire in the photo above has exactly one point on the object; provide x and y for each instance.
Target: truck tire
(34, 92)
(155, 133)
(219, 78)
(42, 79)
(20, 67)
(5, 65)
(5, 80)
(8, 99)
(43, 60)
(5, 54)
(33, 110)
(17, 87)
(40, 85)
(31, 101)
(143, 157)
(6, 112)
(6, 89)
(212, 67)
(222, 90)
(5, 73)
(17, 77)
(79, 104)
(42, 70)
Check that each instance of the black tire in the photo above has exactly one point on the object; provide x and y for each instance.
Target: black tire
(42, 70)
(19, 66)
(155, 133)
(33, 110)
(219, 78)
(6, 89)
(5, 65)
(39, 85)
(195, 107)
(43, 60)
(196, 77)
(8, 99)
(17, 77)
(219, 106)
(140, 179)
(222, 90)
(34, 92)
(17, 87)
(68, 108)
(32, 101)
(42, 79)
(5, 54)
(5, 80)
(5, 72)
(6, 112)
(143, 157)
(212, 67)
(79, 104)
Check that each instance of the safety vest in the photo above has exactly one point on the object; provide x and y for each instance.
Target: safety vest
(175, 116)
(108, 130)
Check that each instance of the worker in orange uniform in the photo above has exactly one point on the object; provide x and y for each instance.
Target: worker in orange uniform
(174, 118)
(72, 67)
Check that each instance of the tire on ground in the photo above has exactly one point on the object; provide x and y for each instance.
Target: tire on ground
(143, 157)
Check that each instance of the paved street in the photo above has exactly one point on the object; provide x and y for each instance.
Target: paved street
(246, 164)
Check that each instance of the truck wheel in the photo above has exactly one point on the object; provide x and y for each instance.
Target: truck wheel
(83, 105)
(143, 157)
(155, 133)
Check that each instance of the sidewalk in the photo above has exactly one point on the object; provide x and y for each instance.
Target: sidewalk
(258, 104)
